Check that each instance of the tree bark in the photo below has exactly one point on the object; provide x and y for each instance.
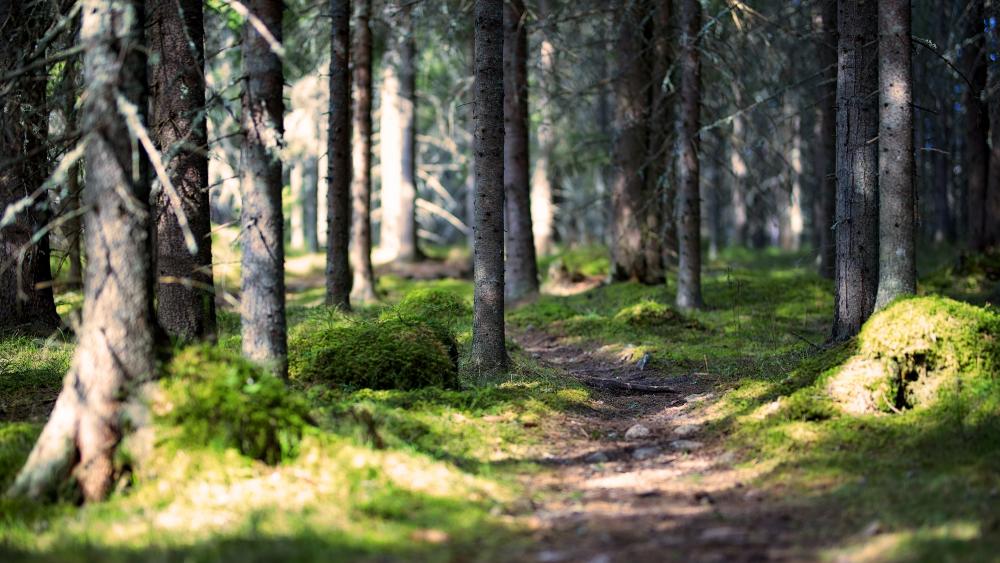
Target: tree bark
(856, 228)
(688, 194)
(26, 300)
(634, 246)
(661, 186)
(522, 268)
(114, 355)
(398, 232)
(489, 354)
(977, 151)
(262, 299)
(363, 286)
(826, 141)
(338, 269)
(185, 293)
(991, 227)
(897, 267)
(544, 179)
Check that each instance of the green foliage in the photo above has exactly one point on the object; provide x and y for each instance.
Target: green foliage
(974, 278)
(215, 397)
(31, 374)
(651, 314)
(16, 441)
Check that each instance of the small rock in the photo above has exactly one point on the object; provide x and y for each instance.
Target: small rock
(873, 528)
(685, 445)
(722, 534)
(727, 458)
(596, 457)
(702, 497)
(600, 558)
(636, 432)
(549, 556)
(642, 454)
(685, 430)
(754, 494)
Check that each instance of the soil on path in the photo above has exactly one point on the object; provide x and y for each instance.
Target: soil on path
(609, 494)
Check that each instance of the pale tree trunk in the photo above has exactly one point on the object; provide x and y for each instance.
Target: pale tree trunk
(397, 144)
(825, 143)
(977, 151)
(856, 230)
(738, 198)
(262, 298)
(297, 223)
(521, 269)
(184, 291)
(897, 268)
(543, 178)
(114, 355)
(688, 179)
(338, 195)
(634, 245)
(489, 355)
(304, 182)
(363, 285)
(791, 210)
(26, 301)
(991, 230)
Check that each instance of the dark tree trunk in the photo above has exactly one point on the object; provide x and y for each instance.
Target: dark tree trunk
(688, 193)
(338, 269)
(185, 293)
(977, 151)
(262, 299)
(72, 226)
(26, 301)
(857, 166)
(363, 286)
(489, 354)
(635, 249)
(897, 245)
(398, 233)
(115, 351)
(991, 228)
(826, 142)
(661, 186)
(521, 268)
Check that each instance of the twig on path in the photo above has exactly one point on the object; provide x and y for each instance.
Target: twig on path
(617, 385)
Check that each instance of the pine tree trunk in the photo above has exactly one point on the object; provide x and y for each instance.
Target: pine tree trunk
(26, 301)
(363, 285)
(543, 181)
(660, 187)
(688, 179)
(338, 195)
(185, 293)
(72, 226)
(826, 141)
(262, 299)
(114, 355)
(897, 267)
(489, 354)
(991, 228)
(856, 278)
(977, 151)
(521, 269)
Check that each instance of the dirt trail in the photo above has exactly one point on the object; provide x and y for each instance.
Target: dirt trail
(671, 495)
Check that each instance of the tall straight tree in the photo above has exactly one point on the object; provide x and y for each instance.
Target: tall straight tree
(688, 172)
(489, 354)
(185, 296)
(338, 269)
(262, 298)
(116, 341)
(522, 268)
(661, 184)
(976, 125)
(856, 225)
(825, 144)
(544, 179)
(363, 286)
(398, 143)
(26, 300)
(634, 245)
(897, 268)
(991, 206)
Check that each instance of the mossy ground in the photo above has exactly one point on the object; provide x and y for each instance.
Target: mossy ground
(431, 473)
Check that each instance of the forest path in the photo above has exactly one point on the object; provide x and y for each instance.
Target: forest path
(672, 494)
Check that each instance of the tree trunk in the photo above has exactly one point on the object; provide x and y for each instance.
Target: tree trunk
(363, 286)
(543, 180)
(977, 151)
(72, 227)
(26, 299)
(489, 354)
(688, 194)
(856, 277)
(991, 207)
(338, 195)
(826, 141)
(184, 291)
(398, 232)
(262, 300)
(634, 246)
(115, 351)
(521, 269)
(662, 246)
(897, 269)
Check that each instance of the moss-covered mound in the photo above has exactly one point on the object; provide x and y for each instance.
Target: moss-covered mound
(215, 397)
(432, 305)
(390, 353)
(651, 314)
(917, 351)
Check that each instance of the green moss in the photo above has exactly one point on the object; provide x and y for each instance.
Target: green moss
(31, 374)
(215, 397)
(16, 441)
(432, 304)
(651, 314)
